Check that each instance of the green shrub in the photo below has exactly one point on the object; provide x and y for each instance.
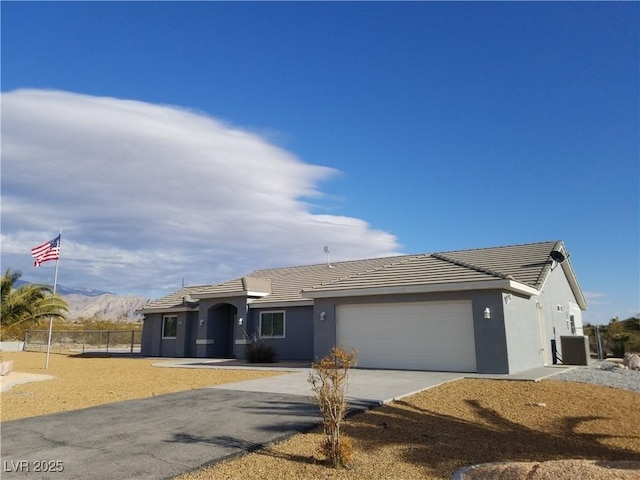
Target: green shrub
(258, 351)
(633, 344)
(618, 344)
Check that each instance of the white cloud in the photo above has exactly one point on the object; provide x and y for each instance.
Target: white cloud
(595, 298)
(148, 194)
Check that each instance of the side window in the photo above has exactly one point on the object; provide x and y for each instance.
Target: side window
(169, 326)
(272, 324)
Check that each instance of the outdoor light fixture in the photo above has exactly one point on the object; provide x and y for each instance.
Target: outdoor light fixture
(240, 321)
(322, 316)
(201, 321)
(487, 313)
(507, 298)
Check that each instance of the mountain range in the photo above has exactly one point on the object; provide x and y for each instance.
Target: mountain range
(90, 303)
(106, 306)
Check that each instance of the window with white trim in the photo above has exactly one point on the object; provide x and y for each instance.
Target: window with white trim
(169, 326)
(272, 324)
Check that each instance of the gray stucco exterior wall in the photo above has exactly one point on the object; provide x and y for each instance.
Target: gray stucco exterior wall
(153, 345)
(492, 353)
(298, 341)
(151, 333)
(219, 323)
(555, 292)
(523, 333)
(324, 327)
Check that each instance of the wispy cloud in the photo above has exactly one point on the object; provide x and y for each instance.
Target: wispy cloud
(148, 194)
(595, 298)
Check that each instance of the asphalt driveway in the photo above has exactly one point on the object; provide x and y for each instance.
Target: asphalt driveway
(152, 438)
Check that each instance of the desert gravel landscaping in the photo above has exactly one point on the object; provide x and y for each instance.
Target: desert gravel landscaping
(545, 427)
(85, 381)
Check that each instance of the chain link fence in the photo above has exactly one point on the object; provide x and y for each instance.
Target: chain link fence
(105, 341)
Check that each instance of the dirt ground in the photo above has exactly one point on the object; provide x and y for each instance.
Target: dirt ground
(83, 381)
(534, 431)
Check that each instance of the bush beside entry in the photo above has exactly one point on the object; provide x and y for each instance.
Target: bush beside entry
(329, 380)
(258, 351)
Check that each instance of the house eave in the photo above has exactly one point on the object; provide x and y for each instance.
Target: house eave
(501, 284)
(237, 293)
(147, 311)
(283, 303)
(573, 283)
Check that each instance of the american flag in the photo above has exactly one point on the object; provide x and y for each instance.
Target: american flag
(47, 251)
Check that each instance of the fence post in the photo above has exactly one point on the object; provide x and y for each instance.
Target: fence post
(599, 343)
(108, 334)
(133, 332)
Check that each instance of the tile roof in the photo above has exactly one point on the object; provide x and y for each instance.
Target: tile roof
(287, 283)
(527, 264)
(181, 298)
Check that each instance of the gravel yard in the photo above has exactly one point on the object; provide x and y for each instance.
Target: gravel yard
(545, 426)
(84, 381)
(604, 373)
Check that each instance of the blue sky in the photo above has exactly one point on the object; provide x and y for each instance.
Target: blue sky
(203, 140)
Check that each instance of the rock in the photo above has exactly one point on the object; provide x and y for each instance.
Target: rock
(608, 366)
(6, 367)
(632, 361)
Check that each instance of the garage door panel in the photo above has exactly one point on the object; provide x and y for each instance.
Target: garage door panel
(419, 335)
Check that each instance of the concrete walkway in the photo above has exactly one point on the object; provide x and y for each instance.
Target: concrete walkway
(17, 378)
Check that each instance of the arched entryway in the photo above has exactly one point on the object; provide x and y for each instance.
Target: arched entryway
(221, 320)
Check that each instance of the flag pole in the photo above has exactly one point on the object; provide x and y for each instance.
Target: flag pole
(55, 284)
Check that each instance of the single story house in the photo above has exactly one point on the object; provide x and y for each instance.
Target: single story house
(487, 310)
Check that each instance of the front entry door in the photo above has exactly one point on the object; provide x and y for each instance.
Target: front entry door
(221, 322)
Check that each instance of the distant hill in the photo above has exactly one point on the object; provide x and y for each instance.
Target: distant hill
(64, 290)
(87, 292)
(88, 303)
(107, 306)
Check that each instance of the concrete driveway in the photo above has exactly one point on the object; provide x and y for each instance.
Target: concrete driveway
(367, 388)
(167, 435)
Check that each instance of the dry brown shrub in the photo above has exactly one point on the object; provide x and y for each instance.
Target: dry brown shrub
(329, 380)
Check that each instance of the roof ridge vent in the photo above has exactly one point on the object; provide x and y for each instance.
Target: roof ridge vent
(460, 263)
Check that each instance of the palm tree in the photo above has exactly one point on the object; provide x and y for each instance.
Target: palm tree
(25, 306)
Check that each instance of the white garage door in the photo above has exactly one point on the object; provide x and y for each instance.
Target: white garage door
(410, 336)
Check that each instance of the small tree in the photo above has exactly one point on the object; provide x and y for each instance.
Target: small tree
(329, 380)
(25, 306)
